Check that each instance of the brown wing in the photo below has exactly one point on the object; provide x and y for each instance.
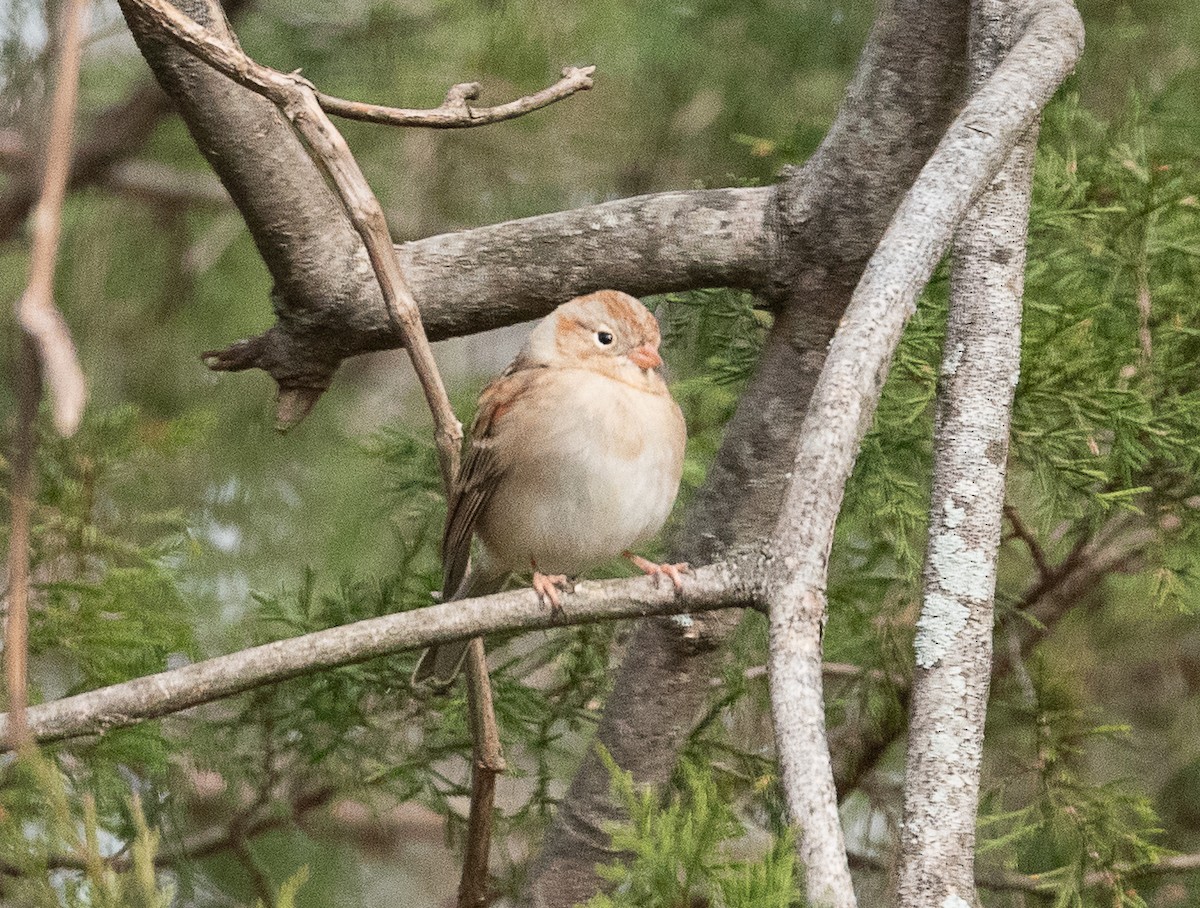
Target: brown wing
(479, 474)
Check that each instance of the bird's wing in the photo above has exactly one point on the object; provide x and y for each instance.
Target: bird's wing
(480, 473)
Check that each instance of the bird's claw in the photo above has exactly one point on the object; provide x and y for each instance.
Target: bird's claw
(674, 571)
(547, 586)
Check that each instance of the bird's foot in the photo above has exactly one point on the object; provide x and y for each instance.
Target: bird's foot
(547, 587)
(674, 571)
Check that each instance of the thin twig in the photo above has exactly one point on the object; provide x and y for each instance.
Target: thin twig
(1022, 532)
(296, 98)
(455, 112)
(47, 356)
(487, 762)
(258, 876)
(16, 627)
(36, 311)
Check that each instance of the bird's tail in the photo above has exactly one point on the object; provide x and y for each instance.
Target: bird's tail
(439, 665)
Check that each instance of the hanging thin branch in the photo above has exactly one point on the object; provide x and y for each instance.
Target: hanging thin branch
(487, 762)
(47, 357)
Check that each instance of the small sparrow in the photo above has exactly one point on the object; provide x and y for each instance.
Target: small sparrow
(576, 454)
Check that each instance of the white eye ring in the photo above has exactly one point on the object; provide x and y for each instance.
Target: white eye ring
(604, 337)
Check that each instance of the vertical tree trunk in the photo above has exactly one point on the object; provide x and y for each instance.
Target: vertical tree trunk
(980, 364)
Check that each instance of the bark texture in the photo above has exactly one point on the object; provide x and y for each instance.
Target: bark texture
(93, 712)
(843, 403)
(980, 366)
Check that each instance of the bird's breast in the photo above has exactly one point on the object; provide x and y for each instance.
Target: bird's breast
(591, 474)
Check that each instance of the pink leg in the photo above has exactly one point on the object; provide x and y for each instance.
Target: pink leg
(674, 571)
(547, 587)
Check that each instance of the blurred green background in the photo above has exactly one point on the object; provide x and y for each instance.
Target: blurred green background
(687, 94)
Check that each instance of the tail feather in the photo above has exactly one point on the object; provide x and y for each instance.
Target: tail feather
(440, 664)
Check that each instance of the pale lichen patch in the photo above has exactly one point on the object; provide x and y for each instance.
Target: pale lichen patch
(960, 570)
(951, 360)
(952, 514)
(942, 619)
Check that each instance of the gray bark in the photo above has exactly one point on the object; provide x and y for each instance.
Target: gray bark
(980, 366)
(94, 712)
(843, 403)
(883, 134)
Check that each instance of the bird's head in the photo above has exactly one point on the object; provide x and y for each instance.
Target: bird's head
(607, 331)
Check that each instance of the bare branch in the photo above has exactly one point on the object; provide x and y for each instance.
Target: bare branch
(296, 99)
(455, 112)
(980, 365)
(16, 622)
(483, 278)
(487, 761)
(47, 357)
(36, 312)
(1026, 535)
(725, 585)
(969, 155)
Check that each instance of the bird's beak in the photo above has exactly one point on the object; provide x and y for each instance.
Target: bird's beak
(645, 357)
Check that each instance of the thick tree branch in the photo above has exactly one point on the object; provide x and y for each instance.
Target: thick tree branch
(513, 272)
(724, 585)
(833, 210)
(969, 155)
(980, 364)
(296, 98)
(455, 112)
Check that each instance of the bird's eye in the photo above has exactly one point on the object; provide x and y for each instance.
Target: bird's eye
(604, 338)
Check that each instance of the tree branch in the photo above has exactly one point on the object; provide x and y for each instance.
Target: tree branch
(484, 278)
(455, 112)
(296, 98)
(969, 155)
(36, 312)
(980, 365)
(724, 585)
(487, 761)
(47, 357)
(823, 221)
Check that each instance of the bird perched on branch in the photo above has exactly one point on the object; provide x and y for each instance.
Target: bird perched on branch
(575, 457)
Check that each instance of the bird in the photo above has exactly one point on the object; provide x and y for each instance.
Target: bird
(575, 458)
